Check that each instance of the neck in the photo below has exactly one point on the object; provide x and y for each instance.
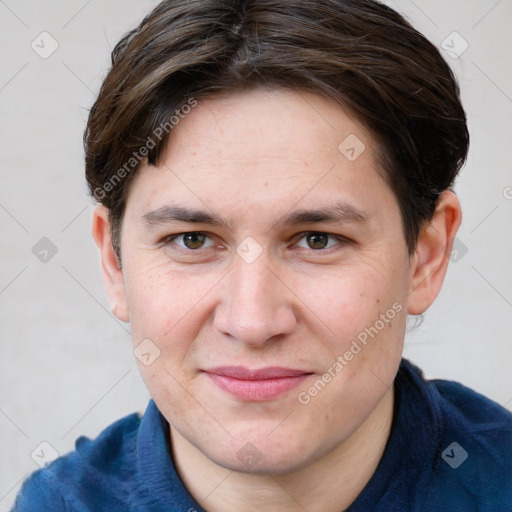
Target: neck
(330, 484)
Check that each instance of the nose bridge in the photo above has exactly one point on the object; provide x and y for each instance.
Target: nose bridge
(252, 286)
(256, 305)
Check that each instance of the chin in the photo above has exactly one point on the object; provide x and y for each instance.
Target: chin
(283, 455)
(262, 463)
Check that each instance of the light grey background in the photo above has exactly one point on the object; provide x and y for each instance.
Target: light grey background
(66, 364)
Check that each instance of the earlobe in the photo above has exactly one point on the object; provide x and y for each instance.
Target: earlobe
(430, 260)
(113, 278)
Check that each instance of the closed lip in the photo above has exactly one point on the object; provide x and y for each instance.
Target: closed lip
(256, 385)
(242, 373)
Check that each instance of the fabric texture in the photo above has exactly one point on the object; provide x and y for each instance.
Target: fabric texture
(450, 449)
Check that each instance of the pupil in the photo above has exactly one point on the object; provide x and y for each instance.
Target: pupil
(193, 240)
(317, 240)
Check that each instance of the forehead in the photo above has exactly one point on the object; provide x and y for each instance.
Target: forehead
(260, 148)
(263, 124)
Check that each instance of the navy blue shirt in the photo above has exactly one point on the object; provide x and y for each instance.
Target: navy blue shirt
(450, 450)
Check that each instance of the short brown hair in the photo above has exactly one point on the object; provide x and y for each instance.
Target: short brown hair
(360, 53)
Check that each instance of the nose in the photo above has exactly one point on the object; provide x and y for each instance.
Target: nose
(256, 304)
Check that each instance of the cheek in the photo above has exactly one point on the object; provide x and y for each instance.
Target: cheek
(168, 307)
(366, 317)
(356, 298)
(364, 310)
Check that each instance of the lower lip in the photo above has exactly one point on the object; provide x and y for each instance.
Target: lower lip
(257, 390)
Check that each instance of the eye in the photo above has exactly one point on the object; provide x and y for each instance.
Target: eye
(318, 241)
(192, 240)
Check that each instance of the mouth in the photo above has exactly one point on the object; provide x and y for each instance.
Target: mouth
(256, 385)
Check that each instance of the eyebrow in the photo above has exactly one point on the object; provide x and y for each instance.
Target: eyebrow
(168, 214)
(339, 213)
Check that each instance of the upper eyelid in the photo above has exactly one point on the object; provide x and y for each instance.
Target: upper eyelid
(182, 233)
(301, 235)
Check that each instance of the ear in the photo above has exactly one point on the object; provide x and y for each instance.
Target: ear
(430, 260)
(113, 278)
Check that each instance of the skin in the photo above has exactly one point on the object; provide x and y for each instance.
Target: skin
(252, 159)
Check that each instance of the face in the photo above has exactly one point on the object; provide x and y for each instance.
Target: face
(264, 259)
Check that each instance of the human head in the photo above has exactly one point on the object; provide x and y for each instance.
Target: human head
(360, 53)
(252, 148)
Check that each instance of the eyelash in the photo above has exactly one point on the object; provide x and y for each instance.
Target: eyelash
(171, 240)
(342, 241)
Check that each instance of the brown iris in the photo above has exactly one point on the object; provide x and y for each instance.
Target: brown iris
(317, 240)
(193, 240)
